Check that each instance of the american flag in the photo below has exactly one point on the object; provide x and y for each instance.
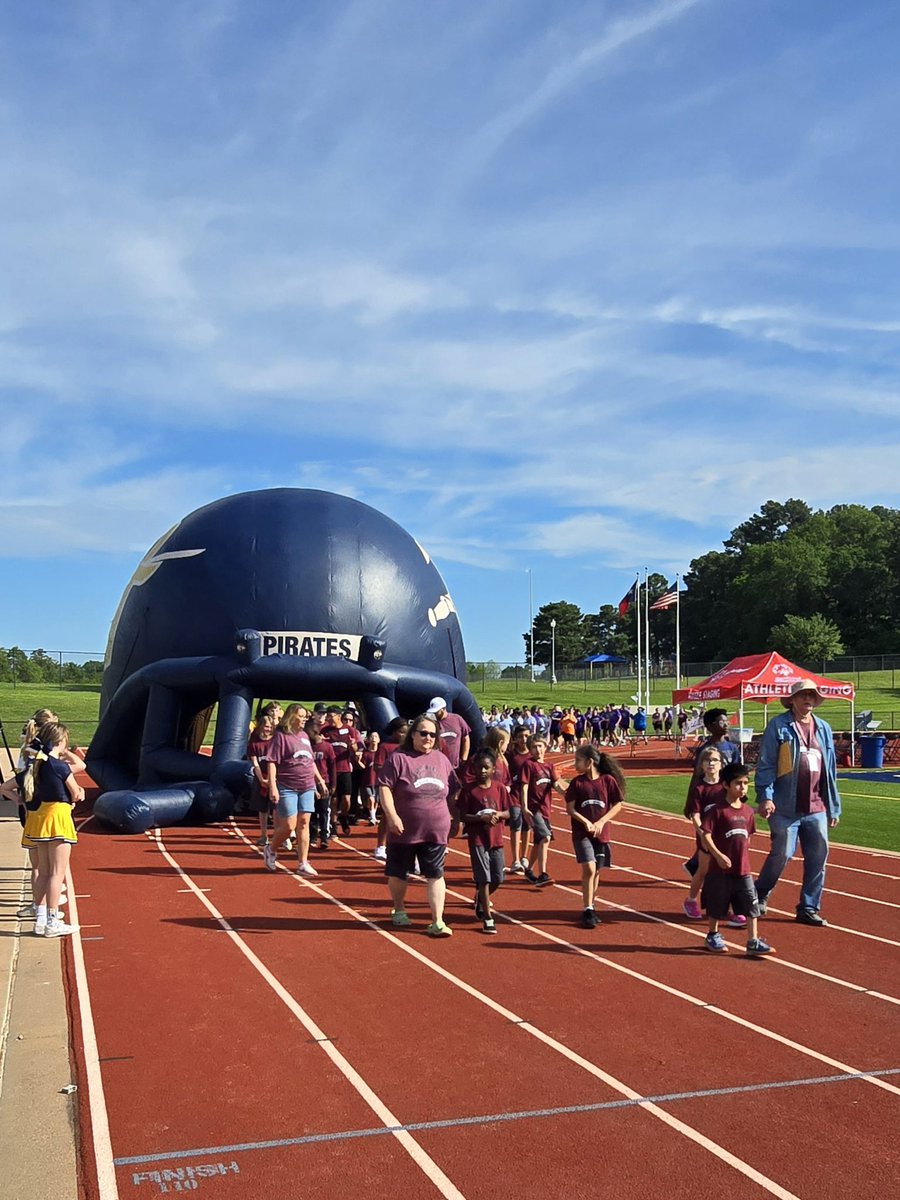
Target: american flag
(666, 600)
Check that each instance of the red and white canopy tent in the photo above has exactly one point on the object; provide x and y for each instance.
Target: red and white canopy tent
(763, 677)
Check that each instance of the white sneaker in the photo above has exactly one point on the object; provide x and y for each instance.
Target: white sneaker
(57, 928)
(27, 912)
(270, 858)
(306, 868)
(523, 863)
(381, 853)
(288, 845)
(40, 927)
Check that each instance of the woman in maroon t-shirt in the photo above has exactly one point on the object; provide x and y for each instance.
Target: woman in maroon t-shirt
(414, 791)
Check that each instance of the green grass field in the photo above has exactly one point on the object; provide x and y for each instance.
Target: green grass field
(872, 811)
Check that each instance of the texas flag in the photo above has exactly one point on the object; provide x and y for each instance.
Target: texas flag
(628, 599)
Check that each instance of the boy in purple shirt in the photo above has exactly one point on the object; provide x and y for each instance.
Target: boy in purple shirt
(726, 831)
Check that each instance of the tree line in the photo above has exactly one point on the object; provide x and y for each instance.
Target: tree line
(17, 666)
(812, 584)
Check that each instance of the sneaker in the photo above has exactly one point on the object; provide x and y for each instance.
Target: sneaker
(589, 919)
(515, 869)
(373, 820)
(400, 919)
(530, 875)
(692, 910)
(323, 845)
(306, 868)
(489, 925)
(345, 828)
(763, 906)
(270, 858)
(736, 922)
(715, 943)
(261, 840)
(438, 929)
(381, 853)
(40, 927)
(287, 845)
(523, 863)
(57, 928)
(543, 879)
(756, 948)
(27, 912)
(810, 916)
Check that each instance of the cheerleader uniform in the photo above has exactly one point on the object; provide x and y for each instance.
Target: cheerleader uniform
(49, 816)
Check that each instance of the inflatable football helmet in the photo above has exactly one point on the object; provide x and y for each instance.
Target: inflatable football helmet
(286, 593)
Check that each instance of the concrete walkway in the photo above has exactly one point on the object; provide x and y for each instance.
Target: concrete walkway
(37, 1120)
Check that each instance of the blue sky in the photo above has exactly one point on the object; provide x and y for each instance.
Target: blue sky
(565, 286)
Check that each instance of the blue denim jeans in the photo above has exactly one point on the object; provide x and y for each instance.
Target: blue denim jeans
(811, 831)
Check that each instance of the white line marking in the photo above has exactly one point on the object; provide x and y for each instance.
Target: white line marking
(428, 1166)
(103, 1155)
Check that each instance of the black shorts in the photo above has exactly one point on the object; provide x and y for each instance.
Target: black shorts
(344, 783)
(257, 802)
(722, 891)
(402, 856)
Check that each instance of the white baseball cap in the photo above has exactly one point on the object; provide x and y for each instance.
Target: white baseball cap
(438, 704)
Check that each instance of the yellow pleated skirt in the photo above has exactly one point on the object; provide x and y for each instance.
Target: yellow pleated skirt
(51, 823)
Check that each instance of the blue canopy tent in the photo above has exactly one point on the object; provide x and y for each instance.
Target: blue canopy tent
(592, 659)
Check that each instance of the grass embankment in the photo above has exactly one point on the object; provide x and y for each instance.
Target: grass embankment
(868, 820)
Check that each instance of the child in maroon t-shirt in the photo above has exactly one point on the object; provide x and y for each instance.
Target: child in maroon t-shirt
(482, 806)
(369, 773)
(537, 781)
(726, 831)
(704, 794)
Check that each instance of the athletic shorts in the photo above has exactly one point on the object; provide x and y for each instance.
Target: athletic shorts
(344, 784)
(487, 864)
(402, 856)
(592, 850)
(540, 827)
(291, 802)
(257, 801)
(721, 892)
(515, 818)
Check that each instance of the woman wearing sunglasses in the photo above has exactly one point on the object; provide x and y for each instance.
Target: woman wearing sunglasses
(414, 791)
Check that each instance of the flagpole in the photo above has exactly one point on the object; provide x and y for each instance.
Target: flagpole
(677, 631)
(647, 676)
(637, 617)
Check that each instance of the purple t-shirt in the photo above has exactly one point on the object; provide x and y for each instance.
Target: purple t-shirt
(540, 778)
(593, 800)
(292, 755)
(730, 830)
(809, 770)
(420, 785)
(472, 800)
(454, 731)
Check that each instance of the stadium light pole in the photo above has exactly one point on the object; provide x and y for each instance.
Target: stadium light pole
(552, 651)
(531, 622)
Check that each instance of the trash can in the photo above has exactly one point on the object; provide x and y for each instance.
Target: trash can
(871, 750)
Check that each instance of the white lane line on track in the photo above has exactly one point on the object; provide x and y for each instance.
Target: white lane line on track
(103, 1155)
(640, 1101)
(426, 1164)
(687, 837)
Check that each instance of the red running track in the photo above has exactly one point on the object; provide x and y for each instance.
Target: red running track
(239, 1063)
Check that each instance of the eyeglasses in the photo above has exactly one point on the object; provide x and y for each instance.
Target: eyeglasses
(429, 733)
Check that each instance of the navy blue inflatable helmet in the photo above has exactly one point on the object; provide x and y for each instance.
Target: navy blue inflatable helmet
(288, 593)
